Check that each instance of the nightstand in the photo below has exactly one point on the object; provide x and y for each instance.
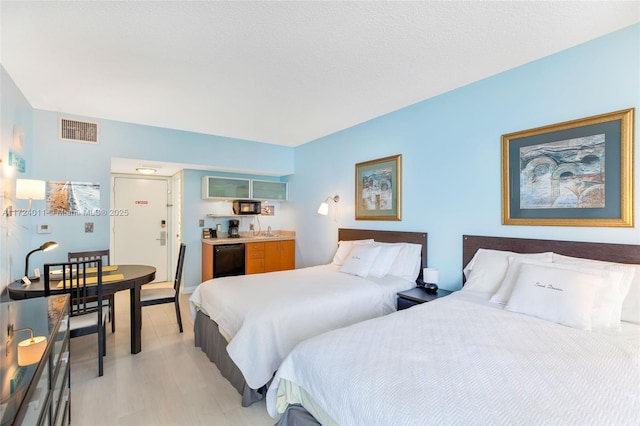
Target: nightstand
(417, 295)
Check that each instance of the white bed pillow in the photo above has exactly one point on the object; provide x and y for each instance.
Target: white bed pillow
(557, 295)
(630, 285)
(383, 262)
(360, 260)
(503, 293)
(488, 268)
(607, 303)
(344, 247)
(407, 262)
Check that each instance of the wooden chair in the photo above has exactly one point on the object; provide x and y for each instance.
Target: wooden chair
(87, 315)
(105, 256)
(163, 292)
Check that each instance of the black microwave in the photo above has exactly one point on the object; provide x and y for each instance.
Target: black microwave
(247, 207)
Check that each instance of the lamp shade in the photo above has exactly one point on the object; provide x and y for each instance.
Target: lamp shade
(30, 350)
(430, 275)
(30, 189)
(323, 209)
(324, 206)
(49, 245)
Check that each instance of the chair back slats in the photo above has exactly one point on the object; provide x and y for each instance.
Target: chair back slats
(86, 297)
(90, 255)
(178, 279)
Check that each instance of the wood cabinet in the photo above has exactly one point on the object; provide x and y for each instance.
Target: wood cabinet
(279, 255)
(254, 263)
(270, 256)
(207, 262)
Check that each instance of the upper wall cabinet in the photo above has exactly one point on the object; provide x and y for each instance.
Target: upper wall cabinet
(269, 190)
(225, 188)
(214, 187)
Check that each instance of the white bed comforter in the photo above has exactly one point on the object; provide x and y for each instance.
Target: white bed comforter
(264, 316)
(453, 361)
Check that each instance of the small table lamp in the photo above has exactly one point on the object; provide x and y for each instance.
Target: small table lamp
(430, 276)
(30, 350)
(49, 245)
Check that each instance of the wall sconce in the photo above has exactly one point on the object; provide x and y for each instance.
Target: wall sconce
(324, 206)
(49, 245)
(30, 189)
(30, 350)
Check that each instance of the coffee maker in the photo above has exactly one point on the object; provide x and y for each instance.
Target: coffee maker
(234, 225)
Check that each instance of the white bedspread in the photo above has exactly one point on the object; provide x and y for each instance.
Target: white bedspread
(453, 361)
(264, 316)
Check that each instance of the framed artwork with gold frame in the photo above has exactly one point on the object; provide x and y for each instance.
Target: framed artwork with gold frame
(576, 173)
(379, 189)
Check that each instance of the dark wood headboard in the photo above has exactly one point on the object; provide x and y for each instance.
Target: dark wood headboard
(620, 253)
(345, 234)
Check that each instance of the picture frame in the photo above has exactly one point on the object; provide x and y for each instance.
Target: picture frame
(379, 189)
(575, 173)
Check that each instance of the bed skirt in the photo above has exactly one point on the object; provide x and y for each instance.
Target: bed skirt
(296, 415)
(208, 338)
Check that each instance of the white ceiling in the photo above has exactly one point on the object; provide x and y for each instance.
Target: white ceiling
(280, 72)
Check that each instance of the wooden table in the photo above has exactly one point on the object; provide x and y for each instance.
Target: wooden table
(134, 277)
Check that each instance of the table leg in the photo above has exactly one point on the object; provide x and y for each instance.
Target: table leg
(136, 320)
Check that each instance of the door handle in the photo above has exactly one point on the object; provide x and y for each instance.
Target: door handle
(163, 238)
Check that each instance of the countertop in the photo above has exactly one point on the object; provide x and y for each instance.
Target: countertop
(248, 237)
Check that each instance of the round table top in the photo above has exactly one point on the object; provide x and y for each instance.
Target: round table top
(132, 275)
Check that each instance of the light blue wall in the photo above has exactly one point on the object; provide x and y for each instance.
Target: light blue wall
(15, 232)
(451, 152)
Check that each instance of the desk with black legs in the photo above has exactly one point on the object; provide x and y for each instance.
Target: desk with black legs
(124, 277)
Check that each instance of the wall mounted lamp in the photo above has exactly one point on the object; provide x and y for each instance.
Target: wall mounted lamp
(324, 206)
(49, 245)
(30, 350)
(30, 189)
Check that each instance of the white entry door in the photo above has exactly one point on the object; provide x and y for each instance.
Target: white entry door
(141, 236)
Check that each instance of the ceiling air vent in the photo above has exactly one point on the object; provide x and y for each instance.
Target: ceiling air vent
(78, 131)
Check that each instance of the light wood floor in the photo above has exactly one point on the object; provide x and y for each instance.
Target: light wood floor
(171, 382)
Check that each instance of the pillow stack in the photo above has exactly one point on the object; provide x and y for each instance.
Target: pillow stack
(580, 293)
(368, 258)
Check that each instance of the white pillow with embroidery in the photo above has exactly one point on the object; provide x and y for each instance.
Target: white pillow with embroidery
(360, 260)
(557, 295)
(504, 291)
(344, 247)
(607, 303)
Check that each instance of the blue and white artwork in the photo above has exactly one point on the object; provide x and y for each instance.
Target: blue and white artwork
(563, 174)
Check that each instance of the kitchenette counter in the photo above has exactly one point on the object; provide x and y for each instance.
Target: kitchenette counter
(267, 251)
(248, 237)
